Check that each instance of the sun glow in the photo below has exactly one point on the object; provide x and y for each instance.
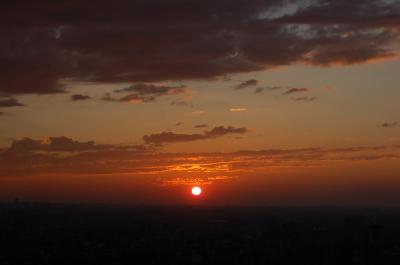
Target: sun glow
(196, 191)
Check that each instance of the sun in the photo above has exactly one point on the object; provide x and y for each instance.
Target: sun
(196, 191)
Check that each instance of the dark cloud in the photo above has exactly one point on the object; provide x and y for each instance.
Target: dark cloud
(178, 123)
(170, 137)
(49, 42)
(389, 124)
(305, 99)
(1, 113)
(79, 97)
(295, 90)
(248, 83)
(200, 126)
(153, 90)
(10, 102)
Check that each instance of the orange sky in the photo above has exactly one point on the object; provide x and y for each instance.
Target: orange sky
(259, 103)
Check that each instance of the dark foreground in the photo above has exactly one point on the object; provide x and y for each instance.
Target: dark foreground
(77, 234)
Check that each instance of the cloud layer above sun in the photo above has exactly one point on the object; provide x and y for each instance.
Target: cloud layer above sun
(57, 155)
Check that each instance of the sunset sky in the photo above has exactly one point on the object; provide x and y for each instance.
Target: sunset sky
(259, 102)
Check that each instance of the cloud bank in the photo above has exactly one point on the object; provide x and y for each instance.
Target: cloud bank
(47, 44)
(63, 155)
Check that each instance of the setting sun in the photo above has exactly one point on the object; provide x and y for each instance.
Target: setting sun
(196, 191)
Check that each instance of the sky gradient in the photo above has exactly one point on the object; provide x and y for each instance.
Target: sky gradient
(258, 102)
